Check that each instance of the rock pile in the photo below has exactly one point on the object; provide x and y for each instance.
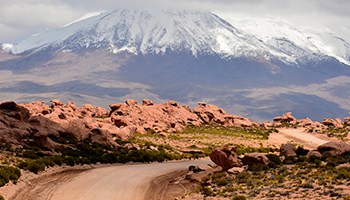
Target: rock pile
(226, 159)
(102, 125)
(289, 120)
(19, 126)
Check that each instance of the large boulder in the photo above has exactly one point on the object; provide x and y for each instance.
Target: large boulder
(255, 159)
(288, 150)
(225, 157)
(334, 148)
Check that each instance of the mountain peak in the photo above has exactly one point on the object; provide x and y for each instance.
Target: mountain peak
(195, 32)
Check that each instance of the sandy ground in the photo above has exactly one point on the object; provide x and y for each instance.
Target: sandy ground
(298, 136)
(123, 182)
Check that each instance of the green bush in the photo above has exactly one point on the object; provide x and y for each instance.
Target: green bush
(8, 173)
(274, 159)
(239, 197)
(2, 198)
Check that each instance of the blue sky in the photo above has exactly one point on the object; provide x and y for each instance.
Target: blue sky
(21, 18)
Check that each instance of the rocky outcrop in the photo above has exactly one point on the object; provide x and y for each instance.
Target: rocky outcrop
(167, 117)
(334, 148)
(225, 157)
(42, 125)
(333, 122)
(211, 114)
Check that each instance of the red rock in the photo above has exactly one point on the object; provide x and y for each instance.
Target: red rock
(225, 157)
(15, 111)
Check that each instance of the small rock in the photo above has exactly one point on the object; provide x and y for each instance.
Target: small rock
(314, 153)
(237, 170)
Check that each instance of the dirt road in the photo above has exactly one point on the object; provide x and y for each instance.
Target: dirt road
(296, 135)
(123, 182)
(126, 182)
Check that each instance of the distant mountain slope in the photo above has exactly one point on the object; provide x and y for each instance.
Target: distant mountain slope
(258, 69)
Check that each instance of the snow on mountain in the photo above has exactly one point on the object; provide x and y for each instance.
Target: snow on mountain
(156, 32)
(331, 44)
(299, 42)
(147, 32)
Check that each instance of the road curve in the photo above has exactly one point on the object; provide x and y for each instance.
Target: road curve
(118, 182)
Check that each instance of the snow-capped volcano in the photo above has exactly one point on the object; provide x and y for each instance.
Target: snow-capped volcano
(158, 32)
(149, 32)
(297, 42)
(258, 68)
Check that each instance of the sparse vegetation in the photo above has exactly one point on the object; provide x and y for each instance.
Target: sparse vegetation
(8, 173)
(312, 177)
(249, 133)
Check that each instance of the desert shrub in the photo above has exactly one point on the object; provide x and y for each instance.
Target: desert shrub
(301, 151)
(274, 159)
(35, 166)
(242, 177)
(289, 160)
(258, 167)
(206, 191)
(343, 173)
(239, 197)
(8, 173)
(315, 160)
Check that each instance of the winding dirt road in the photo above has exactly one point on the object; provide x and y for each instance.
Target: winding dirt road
(127, 182)
(123, 182)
